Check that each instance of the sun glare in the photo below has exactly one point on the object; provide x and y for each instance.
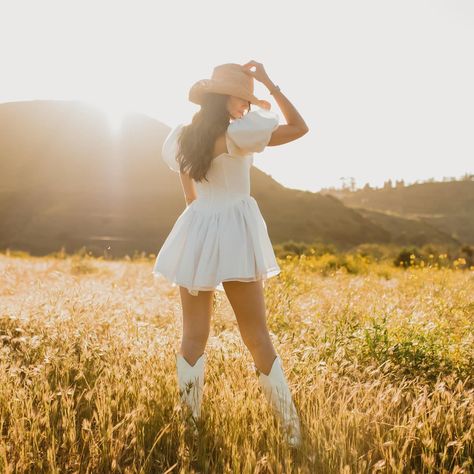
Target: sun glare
(114, 113)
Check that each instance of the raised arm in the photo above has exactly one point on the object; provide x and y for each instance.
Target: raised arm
(296, 127)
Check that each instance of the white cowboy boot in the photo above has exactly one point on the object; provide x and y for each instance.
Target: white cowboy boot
(277, 392)
(191, 383)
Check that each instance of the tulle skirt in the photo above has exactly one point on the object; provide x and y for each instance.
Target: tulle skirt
(217, 240)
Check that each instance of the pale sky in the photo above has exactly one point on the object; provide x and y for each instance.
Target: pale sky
(386, 87)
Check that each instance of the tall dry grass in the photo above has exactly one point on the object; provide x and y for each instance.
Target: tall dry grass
(380, 361)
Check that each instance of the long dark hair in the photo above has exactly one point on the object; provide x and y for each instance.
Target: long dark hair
(196, 141)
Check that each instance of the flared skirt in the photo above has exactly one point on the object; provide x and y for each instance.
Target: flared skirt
(213, 241)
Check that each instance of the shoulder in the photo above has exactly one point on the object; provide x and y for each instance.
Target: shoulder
(173, 134)
(170, 147)
(259, 119)
(253, 131)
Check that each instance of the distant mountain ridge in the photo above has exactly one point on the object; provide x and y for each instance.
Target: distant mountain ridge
(447, 206)
(67, 180)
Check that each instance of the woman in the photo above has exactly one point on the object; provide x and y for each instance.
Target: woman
(220, 241)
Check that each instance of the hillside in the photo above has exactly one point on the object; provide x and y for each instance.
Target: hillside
(447, 207)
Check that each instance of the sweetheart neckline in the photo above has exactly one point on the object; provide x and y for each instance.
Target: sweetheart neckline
(227, 146)
(221, 154)
(229, 155)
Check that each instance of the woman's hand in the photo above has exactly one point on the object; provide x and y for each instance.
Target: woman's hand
(259, 74)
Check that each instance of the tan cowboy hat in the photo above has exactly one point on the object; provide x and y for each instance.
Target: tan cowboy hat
(230, 79)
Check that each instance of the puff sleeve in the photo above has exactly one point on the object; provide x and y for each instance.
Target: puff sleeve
(170, 148)
(253, 131)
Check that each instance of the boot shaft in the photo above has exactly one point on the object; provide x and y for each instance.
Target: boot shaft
(191, 382)
(277, 392)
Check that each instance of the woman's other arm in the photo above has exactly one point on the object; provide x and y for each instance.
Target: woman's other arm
(189, 189)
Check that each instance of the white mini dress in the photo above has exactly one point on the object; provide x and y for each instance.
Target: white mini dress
(221, 235)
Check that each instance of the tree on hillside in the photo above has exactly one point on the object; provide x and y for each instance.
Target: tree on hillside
(352, 183)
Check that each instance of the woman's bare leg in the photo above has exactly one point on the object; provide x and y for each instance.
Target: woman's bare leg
(247, 301)
(197, 312)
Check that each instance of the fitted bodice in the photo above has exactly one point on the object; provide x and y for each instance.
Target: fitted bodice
(229, 174)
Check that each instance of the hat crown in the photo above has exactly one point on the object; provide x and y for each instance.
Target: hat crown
(233, 74)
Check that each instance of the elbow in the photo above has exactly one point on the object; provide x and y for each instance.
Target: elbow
(304, 131)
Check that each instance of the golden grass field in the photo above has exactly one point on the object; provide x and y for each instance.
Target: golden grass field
(380, 363)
